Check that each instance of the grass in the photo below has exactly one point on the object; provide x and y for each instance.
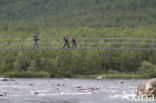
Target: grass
(42, 74)
(27, 74)
(116, 75)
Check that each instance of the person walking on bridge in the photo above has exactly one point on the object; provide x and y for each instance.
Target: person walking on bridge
(35, 38)
(74, 42)
(66, 41)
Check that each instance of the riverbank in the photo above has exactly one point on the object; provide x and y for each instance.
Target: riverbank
(113, 76)
(73, 64)
(47, 75)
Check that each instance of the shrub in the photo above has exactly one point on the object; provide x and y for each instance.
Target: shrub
(147, 69)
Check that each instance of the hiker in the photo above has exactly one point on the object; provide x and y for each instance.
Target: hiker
(66, 41)
(35, 38)
(74, 42)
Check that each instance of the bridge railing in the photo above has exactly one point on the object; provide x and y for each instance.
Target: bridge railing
(82, 43)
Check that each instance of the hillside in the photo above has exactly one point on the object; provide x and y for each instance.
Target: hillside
(80, 18)
(35, 15)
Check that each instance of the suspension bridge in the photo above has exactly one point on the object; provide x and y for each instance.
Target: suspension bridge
(82, 44)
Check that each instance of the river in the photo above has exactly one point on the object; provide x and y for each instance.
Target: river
(70, 91)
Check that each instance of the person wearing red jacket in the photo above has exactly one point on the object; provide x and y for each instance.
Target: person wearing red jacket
(74, 42)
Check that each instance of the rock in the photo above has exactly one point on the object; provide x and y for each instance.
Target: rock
(82, 89)
(97, 88)
(148, 88)
(1, 95)
(58, 85)
(4, 94)
(4, 79)
(122, 82)
(16, 83)
(7, 79)
(36, 93)
(57, 89)
(91, 89)
(100, 77)
(31, 84)
(12, 79)
(78, 87)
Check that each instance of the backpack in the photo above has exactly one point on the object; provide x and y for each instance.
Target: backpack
(74, 39)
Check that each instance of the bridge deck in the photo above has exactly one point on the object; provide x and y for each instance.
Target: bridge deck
(82, 43)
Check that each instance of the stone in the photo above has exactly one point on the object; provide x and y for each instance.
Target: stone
(12, 79)
(1, 95)
(97, 88)
(36, 93)
(100, 77)
(16, 83)
(147, 87)
(58, 85)
(122, 82)
(4, 94)
(82, 89)
(7, 79)
(31, 84)
(78, 87)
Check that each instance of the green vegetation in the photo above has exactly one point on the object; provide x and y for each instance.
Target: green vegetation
(113, 76)
(147, 70)
(83, 18)
(75, 63)
(95, 18)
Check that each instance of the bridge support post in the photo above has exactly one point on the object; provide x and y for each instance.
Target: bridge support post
(22, 43)
(47, 43)
(86, 44)
(152, 46)
(138, 44)
(112, 43)
(13, 43)
(9, 44)
(125, 44)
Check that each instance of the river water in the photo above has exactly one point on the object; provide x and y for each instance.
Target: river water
(70, 91)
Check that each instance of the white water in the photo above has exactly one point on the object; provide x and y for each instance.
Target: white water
(67, 91)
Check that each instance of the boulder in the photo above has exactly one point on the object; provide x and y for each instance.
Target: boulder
(36, 93)
(6, 79)
(1, 95)
(148, 88)
(31, 84)
(100, 77)
(78, 87)
(121, 82)
(58, 85)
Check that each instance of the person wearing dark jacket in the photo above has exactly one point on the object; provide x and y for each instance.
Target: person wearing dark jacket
(66, 41)
(35, 38)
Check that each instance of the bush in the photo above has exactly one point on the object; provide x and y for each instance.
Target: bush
(64, 74)
(147, 69)
(28, 74)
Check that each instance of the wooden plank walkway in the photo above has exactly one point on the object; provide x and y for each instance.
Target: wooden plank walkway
(82, 43)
